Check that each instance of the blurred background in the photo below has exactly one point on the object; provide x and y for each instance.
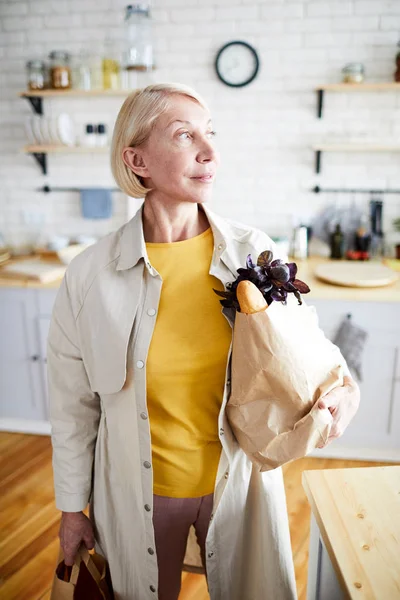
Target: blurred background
(305, 100)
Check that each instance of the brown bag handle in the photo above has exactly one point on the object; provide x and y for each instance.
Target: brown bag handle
(92, 560)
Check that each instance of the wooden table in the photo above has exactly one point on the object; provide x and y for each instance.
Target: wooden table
(355, 533)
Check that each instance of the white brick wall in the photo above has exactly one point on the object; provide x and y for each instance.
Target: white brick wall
(265, 131)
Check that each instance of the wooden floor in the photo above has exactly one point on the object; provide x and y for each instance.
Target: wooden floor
(30, 521)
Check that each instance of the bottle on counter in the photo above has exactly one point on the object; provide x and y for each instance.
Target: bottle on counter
(337, 243)
(377, 235)
(300, 242)
(362, 239)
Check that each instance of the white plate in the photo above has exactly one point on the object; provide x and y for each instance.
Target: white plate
(29, 131)
(53, 129)
(66, 129)
(44, 130)
(36, 129)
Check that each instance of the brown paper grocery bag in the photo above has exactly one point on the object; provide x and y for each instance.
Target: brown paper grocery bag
(88, 578)
(282, 363)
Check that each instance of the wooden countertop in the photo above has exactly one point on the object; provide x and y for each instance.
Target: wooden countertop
(319, 289)
(358, 515)
(326, 291)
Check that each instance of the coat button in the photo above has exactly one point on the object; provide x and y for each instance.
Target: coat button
(221, 431)
(147, 464)
(220, 246)
(228, 382)
(147, 507)
(140, 364)
(152, 588)
(151, 312)
(150, 551)
(210, 554)
(226, 475)
(143, 415)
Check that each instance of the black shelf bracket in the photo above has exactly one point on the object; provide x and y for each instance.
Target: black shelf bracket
(36, 103)
(41, 158)
(320, 104)
(318, 161)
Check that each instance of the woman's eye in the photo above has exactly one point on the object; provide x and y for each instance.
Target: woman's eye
(212, 133)
(185, 133)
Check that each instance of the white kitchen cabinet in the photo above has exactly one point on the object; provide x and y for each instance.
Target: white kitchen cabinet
(20, 378)
(24, 322)
(374, 432)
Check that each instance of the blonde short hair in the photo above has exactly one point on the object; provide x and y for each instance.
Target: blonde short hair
(134, 124)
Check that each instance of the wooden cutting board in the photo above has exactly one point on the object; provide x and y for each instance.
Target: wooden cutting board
(355, 274)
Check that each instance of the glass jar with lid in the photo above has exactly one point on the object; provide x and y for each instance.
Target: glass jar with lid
(60, 70)
(138, 54)
(80, 68)
(353, 73)
(36, 71)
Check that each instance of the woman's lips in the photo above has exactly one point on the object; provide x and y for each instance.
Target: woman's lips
(204, 178)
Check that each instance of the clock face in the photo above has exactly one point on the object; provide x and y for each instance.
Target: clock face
(237, 64)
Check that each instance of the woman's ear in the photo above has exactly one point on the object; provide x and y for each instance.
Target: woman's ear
(133, 158)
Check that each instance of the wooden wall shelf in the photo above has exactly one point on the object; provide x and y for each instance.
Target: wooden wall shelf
(351, 147)
(55, 149)
(382, 86)
(35, 97)
(40, 152)
(73, 92)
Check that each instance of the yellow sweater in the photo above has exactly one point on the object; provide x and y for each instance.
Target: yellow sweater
(186, 369)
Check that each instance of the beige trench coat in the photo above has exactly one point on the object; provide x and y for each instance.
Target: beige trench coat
(101, 328)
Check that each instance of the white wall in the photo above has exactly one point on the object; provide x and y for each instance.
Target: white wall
(265, 131)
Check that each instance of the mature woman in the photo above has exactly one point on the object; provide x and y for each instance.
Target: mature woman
(139, 376)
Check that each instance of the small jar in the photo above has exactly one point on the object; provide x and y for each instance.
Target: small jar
(353, 73)
(101, 135)
(81, 75)
(89, 138)
(36, 70)
(60, 70)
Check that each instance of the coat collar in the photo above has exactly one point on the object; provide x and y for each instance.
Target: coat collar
(133, 246)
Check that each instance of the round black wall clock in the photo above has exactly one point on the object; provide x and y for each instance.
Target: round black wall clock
(237, 64)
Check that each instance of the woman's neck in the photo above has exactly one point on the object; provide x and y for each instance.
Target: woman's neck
(172, 223)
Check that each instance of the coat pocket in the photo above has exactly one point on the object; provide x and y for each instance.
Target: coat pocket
(106, 326)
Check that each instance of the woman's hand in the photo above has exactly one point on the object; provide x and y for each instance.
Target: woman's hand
(342, 403)
(75, 528)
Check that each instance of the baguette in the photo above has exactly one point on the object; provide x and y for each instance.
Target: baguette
(250, 298)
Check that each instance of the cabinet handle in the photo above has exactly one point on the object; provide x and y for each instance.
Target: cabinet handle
(35, 358)
(392, 390)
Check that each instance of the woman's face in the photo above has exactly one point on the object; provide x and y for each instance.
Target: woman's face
(179, 159)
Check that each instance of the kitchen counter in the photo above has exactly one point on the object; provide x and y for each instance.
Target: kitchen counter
(355, 533)
(327, 291)
(319, 289)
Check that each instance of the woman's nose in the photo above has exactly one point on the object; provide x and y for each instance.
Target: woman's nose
(207, 153)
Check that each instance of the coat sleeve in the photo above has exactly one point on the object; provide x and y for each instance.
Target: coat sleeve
(74, 408)
(266, 243)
